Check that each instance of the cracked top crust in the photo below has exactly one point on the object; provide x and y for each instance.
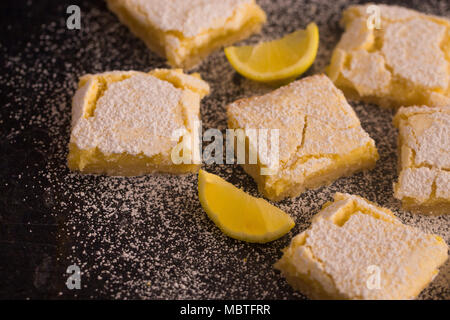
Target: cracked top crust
(349, 236)
(315, 124)
(404, 62)
(424, 142)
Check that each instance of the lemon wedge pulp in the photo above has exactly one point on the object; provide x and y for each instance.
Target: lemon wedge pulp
(277, 60)
(238, 214)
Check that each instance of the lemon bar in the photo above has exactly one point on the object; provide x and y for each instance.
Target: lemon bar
(123, 122)
(424, 159)
(320, 137)
(185, 32)
(403, 61)
(357, 250)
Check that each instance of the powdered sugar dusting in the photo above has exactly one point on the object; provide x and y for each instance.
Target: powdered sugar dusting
(147, 237)
(404, 55)
(425, 134)
(349, 238)
(416, 183)
(433, 143)
(136, 115)
(314, 121)
(289, 108)
(374, 64)
(346, 252)
(188, 17)
(412, 49)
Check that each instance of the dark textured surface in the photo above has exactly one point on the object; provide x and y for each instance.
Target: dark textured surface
(146, 237)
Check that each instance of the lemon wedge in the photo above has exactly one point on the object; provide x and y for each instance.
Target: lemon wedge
(238, 214)
(277, 60)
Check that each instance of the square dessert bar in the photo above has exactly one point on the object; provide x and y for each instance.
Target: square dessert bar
(357, 250)
(424, 159)
(123, 122)
(404, 61)
(320, 136)
(186, 31)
